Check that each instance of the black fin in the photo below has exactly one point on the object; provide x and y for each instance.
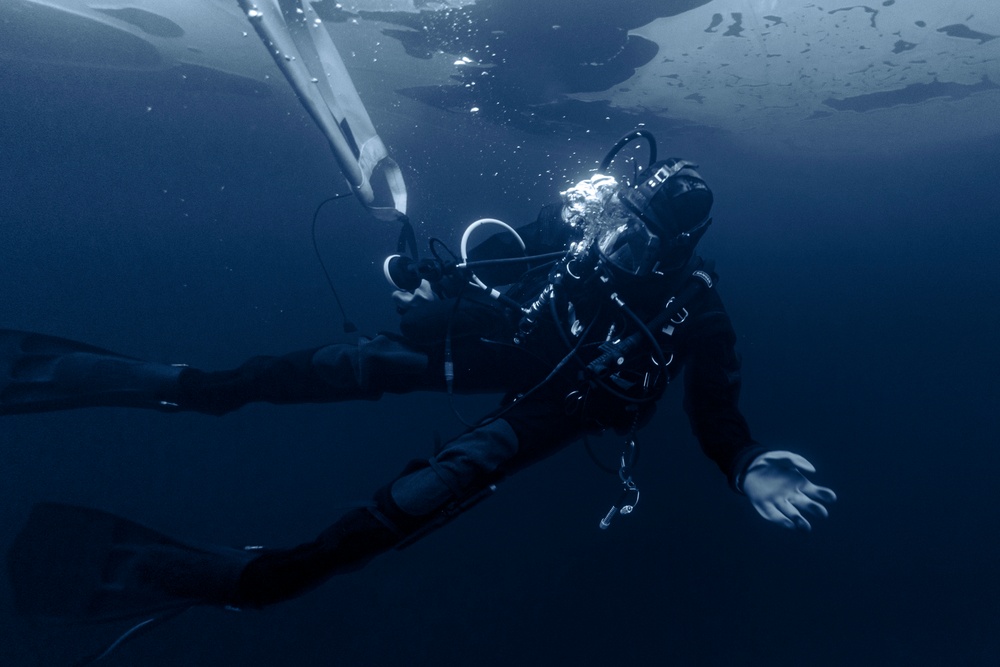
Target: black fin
(75, 563)
(40, 373)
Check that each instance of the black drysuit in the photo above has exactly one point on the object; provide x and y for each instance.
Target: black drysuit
(540, 414)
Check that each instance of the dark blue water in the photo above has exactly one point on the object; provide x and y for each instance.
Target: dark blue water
(174, 225)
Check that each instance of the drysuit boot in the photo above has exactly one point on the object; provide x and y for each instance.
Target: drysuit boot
(281, 574)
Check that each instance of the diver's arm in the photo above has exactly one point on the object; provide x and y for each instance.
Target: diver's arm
(711, 396)
(773, 481)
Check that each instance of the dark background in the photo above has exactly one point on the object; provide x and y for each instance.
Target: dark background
(173, 224)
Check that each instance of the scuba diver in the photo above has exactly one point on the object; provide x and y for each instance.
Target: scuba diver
(604, 304)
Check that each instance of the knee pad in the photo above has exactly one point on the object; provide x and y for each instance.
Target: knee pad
(462, 468)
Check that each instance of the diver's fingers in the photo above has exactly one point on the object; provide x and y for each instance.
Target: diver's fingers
(792, 513)
(770, 512)
(805, 504)
(819, 493)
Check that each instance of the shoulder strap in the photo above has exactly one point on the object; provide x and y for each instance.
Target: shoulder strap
(699, 277)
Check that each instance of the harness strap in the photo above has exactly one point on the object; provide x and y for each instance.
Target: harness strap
(700, 278)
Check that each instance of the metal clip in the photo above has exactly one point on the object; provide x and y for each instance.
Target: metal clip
(629, 497)
(625, 505)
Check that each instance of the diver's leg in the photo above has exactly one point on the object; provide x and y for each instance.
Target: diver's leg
(123, 569)
(341, 372)
(40, 373)
(425, 492)
(284, 379)
(426, 495)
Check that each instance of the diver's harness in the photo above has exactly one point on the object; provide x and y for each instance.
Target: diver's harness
(696, 276)
(603, 369)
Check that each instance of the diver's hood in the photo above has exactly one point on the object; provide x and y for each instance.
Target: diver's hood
(670, 197)
(669, 213)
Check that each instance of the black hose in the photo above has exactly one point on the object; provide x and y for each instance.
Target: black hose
(349, 327)
(625, 141)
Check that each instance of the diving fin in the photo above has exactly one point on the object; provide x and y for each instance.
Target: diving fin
(76, 563)
(40, 373)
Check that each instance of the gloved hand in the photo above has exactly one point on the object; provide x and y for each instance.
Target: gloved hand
(779, 491)
(406, 300)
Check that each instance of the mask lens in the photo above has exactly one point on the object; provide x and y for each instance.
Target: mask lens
(680, 205)
(630, 247)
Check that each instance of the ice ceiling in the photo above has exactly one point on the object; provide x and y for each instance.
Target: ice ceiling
(781, 74)
(819, 74)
